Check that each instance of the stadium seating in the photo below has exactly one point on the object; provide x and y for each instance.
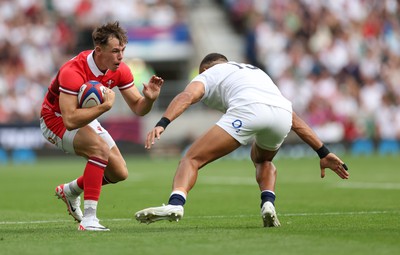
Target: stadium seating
(3, 157)
(388, 147)
(23, 156)
(363, 146)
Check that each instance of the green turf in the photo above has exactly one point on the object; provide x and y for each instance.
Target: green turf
(318, 216)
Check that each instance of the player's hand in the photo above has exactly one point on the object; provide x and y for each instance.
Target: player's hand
(335, 164)
(152, 89)
(152, 135)
(109, 98)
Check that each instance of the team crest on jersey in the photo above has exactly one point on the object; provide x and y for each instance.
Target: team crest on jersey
(237, 124)
(109, 83)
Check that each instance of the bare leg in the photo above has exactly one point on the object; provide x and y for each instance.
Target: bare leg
(266, 179)
(209, 147)
(265, 169)
(266, 176)
(215, 144)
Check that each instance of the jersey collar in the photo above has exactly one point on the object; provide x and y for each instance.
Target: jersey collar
(92, 65)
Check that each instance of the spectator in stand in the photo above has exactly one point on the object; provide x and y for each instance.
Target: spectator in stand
(387, 125)
(360, 36)
(364, 33)
(55, 31)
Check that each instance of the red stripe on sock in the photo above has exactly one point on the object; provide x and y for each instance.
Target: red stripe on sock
(92, 178)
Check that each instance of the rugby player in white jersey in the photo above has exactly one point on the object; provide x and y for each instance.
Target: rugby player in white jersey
(254, 111)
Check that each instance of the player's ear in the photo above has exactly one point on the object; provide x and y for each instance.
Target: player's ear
(97, 49)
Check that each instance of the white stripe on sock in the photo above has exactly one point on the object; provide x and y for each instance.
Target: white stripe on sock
(178, 192)
(267, 190)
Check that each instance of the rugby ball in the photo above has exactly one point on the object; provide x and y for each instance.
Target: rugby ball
(91, 94)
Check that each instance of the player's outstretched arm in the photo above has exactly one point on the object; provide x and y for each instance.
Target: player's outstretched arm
(192, 94)
(327, 159)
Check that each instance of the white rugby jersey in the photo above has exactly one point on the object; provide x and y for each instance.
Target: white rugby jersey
(229, 85)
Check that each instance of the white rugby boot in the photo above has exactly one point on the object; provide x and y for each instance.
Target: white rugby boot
(73, 202)
(91, 224)
(164, 212)
(268, 215)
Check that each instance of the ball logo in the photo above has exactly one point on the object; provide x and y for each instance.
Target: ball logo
(91, 94)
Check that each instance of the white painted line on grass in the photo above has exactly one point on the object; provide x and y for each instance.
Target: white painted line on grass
(32, 222)
(300, 214)
(50, 221)
(338, 213)
(368, 185)
(211, 217)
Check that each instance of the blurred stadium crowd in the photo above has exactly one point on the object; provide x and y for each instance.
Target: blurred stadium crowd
(38, 36)
(338, 61)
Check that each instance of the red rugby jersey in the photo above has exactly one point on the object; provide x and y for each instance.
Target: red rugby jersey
(79, 70)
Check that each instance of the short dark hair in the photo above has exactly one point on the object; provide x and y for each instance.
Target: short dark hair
(210, 60)
(102, 33)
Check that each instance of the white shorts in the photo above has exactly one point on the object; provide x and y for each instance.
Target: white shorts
(269, 125)
(66, 143)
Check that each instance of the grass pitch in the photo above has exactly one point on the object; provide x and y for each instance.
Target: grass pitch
(318, 216)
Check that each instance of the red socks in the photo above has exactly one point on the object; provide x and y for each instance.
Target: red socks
(105, 181)
(92, 178)
(79, 181)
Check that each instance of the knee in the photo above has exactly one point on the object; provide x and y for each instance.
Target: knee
(114, 174)
(123, 176)
(190, 163)
(115, 178)
(99, 149)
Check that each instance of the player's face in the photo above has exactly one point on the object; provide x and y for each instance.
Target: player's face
(111, 55)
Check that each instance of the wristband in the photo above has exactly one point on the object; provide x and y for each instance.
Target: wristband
(164, 122)
(322, 152)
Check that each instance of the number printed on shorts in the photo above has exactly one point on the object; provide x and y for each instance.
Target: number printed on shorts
(242, 65)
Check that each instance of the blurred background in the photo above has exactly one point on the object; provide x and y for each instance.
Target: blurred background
(338, 61)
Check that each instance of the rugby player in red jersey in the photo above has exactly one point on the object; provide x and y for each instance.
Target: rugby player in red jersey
(77, 131)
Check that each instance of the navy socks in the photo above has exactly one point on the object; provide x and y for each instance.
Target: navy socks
(176, 199)
(267, 195)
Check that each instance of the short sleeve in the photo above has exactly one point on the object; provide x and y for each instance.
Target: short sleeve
(70, 81)
(126, 77)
